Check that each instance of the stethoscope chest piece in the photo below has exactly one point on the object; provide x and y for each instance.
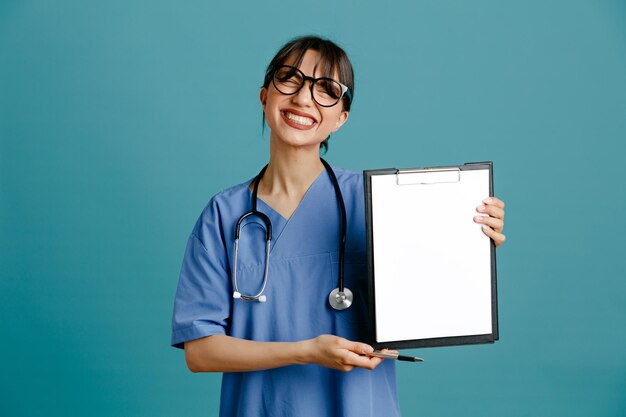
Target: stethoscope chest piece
(340, 300)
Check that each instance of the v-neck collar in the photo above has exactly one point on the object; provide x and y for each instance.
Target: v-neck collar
(279, 223)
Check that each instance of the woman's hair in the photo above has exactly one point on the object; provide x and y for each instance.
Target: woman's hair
(333, 60)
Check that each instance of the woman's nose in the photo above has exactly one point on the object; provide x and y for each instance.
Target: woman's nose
(304, 96)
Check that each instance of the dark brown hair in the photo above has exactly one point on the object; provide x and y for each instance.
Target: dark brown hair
(333, 60)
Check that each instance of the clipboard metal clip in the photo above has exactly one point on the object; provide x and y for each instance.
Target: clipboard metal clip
(427, 176)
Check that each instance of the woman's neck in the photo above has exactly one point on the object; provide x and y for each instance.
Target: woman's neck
(291, 171)
(289, 175)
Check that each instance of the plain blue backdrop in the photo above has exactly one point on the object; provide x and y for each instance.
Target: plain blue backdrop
(120, 119)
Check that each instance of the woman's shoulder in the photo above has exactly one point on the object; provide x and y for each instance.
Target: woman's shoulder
(233, 193)
(347, 174)
(225, 204)
(348, 178)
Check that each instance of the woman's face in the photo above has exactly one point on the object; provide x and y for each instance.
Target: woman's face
(297, 120)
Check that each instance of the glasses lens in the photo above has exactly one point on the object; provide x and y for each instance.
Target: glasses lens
(288, 80)
(327, 92)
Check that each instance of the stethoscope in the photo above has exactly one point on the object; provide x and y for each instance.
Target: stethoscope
(341, 297)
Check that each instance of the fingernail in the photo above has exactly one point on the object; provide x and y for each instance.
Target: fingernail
(480, 208)
(487, 200)
(477, 219)
(485, 228)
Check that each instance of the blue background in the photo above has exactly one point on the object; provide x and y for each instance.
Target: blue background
(119, 120)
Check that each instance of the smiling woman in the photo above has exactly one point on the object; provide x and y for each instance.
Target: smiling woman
(313, 112)
(284, 343)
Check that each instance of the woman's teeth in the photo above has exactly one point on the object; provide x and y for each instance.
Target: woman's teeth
(301, 120)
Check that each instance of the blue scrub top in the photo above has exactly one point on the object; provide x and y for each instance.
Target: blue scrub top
(303, 270)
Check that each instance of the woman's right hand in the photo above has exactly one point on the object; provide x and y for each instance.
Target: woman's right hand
(339, 353)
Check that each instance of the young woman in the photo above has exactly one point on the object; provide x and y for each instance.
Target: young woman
(266, 321)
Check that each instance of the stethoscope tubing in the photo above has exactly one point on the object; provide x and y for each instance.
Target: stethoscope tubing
(342, 207)
(259, 296)
(338, 293)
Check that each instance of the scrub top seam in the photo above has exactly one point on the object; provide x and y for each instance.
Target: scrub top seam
(195, 236)
(195, 326)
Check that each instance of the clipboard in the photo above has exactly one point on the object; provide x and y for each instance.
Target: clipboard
(431, 269)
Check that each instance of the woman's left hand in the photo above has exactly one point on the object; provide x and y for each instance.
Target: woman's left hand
(492, 218)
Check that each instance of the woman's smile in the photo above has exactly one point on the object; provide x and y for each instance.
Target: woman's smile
(298, 120)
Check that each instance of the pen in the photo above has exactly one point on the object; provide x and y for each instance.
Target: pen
(395, 356)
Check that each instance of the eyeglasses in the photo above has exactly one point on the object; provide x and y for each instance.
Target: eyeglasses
(325, 91)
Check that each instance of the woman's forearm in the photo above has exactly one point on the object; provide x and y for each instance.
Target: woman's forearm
(220, 353)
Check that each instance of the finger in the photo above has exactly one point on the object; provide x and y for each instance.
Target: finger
(494, 201)
(344, 368)
(498, 238)
(366, 362)
(493, 211)
(358, 347)
(495, 224)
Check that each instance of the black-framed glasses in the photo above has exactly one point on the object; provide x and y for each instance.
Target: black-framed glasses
(325, 91)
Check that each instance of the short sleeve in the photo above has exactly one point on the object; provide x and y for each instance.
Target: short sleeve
(203, 297)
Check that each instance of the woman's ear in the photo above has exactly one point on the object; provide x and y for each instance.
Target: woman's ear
(263, 96)
(343, 117)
